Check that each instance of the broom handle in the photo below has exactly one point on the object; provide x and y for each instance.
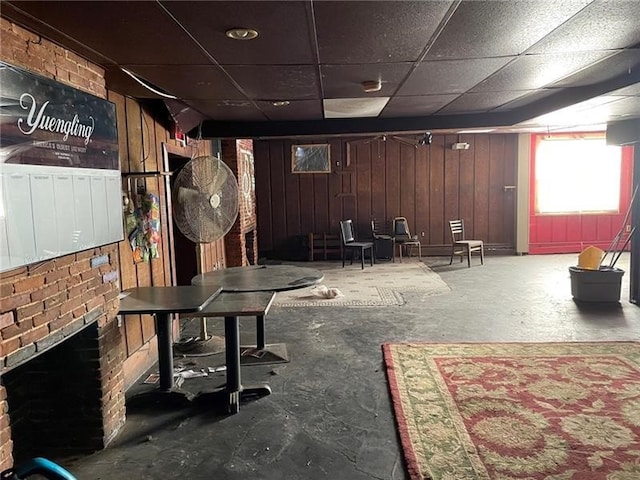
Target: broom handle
(623, 246)
(617, 238)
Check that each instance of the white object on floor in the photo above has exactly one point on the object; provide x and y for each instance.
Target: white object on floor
(323, 291)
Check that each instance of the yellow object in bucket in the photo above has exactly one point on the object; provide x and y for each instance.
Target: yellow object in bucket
(590, 258)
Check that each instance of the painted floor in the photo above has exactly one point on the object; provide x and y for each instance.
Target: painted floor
(329, 414)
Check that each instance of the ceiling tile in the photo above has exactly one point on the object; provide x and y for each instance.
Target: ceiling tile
(594, 111)
(536, 71)
(527, 100)
(222, 110)
(416, 105)
(118, 32)
(119, 81)
(492, 28)
(185, 116)
(375, 32)
(630, 90)
(189, 81)
(587, 30)
(276, 82)
(604, 70)
(479, 54)
(344, 81)
(450, 76)
(296, 110)
(282, 27)
(481, 101)
(625, 107)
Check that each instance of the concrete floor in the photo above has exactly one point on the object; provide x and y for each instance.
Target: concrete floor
(330, 415)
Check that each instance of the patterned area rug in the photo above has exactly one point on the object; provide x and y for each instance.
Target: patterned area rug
(382, 284)
(552, 411)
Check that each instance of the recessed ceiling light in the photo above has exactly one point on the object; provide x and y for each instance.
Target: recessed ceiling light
(370, 86)
(280, 103)
(241, 33)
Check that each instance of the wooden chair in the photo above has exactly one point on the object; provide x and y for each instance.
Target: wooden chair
(461, 246)
(403, 238)
(350, 244)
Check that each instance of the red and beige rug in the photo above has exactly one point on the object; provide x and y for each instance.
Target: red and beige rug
(534, 411)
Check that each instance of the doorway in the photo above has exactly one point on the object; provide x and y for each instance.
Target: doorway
(183, 253)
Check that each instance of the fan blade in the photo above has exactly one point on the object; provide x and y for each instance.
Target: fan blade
(219, 177)
(187, 195)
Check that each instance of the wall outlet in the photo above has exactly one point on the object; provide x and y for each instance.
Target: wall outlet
(628, 228)
(422, 234)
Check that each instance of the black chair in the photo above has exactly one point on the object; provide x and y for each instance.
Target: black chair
(383, 243)
(349, 243)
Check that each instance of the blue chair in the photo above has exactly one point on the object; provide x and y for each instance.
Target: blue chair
(37, 466)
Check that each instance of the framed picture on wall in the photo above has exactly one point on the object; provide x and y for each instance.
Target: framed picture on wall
(310, 158)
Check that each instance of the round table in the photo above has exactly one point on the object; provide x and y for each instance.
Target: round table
(252, 278)
(260, 278)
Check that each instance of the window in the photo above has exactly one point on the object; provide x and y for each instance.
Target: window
(577, 175)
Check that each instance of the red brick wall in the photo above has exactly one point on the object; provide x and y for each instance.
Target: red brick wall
(238, 155)
(42, 304)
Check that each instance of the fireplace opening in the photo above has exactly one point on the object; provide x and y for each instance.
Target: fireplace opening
(54, 400)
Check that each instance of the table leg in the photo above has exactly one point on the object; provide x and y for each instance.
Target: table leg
(165, 353)
(232, 356)
(234, 388)
(260, 341)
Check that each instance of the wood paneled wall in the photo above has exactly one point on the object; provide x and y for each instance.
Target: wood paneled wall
(381, 179)
(141, 134)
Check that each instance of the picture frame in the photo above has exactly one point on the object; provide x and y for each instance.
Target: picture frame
(311, 158)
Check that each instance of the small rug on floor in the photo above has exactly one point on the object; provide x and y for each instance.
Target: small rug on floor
(382, 284)
(534, 411)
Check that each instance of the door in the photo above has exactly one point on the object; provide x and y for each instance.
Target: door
(183, 253)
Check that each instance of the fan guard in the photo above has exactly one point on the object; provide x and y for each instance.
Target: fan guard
(205, 199)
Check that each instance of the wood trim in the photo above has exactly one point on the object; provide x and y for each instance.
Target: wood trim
(168, 211)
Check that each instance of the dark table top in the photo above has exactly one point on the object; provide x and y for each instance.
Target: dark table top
(180, 299)
(237, 304)
(260, 278)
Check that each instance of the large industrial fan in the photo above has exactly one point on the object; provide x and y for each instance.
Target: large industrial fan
(205, 207)
(205, 199)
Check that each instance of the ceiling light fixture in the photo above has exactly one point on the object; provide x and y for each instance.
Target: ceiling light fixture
(280, 103)
(370, 86)
(426, 139)
(241, 33)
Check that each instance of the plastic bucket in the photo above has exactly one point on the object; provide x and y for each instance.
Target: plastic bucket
(602, 285)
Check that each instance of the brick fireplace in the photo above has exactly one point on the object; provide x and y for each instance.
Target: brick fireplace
(241, 243)
(61, 357)
(61, 349)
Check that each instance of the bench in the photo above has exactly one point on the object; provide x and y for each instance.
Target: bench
(324, 244)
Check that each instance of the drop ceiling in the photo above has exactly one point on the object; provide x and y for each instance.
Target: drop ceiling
(443, 65)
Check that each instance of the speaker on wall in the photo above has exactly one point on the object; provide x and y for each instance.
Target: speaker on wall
(625, 132)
